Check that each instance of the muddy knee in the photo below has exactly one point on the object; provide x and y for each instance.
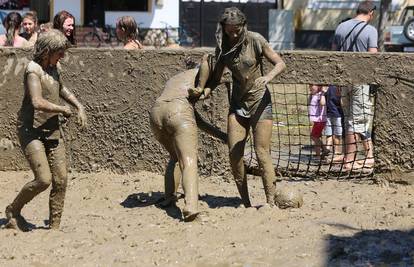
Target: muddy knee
(42, 182)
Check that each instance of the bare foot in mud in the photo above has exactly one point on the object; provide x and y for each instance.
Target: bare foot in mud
(190, 216)
(17, 222)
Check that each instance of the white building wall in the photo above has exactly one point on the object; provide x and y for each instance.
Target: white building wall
(168, 13)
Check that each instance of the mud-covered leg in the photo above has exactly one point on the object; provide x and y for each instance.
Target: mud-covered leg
(57, 160)
(36, 156)
(237, 134)
(262, 134)
(172, 179)
(172, 176)
(186, 146)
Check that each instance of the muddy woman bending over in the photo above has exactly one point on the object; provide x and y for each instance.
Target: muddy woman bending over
(173, 122)
(39, 129)
(242, 52)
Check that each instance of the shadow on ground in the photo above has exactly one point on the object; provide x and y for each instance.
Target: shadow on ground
(140, 200)
(371, 248)
(219, 201)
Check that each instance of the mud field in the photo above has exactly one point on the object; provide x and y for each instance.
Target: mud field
(110, 220)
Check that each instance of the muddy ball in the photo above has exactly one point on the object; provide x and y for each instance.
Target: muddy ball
(288, 198)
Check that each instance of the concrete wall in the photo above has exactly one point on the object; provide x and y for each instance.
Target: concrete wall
(118, 87)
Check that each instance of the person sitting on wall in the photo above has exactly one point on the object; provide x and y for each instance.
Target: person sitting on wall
(127, 32)
(39, 129)
(174, 122)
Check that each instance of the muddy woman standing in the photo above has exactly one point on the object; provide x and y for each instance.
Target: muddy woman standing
(39, 129)
(242, 51)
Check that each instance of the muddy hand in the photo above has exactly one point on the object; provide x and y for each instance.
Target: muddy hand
(195, 92)
(205, 94)
(82, 119)
(67, 112)
(262, 81)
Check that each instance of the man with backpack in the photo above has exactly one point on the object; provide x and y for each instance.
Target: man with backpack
(356, 35)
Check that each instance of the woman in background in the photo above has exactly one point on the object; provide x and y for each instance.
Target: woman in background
(65, 22)
(29, 26)
(127, 32)
(12, 38)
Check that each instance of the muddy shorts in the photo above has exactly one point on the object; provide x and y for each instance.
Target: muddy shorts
(264, 110)
(171, 118)
(357, 107)
(333, 126)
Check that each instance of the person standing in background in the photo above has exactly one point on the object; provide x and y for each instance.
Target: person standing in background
(12, 38)
(65, 22)
(30, 28)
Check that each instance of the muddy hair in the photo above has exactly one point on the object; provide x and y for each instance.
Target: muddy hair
(233, 16)
(129, 26)
(59, 20)
(48, 43)
(12, 23)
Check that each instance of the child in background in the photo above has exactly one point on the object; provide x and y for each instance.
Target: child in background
(317, 114)
(29, 26)
(333, 129)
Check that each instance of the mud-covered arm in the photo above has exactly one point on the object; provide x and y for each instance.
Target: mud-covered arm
(39, 103)
(66, 94)
(209, 77)
(215, 80)
(208, 128)
(277, 62)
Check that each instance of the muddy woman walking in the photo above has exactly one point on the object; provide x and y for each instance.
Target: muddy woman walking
(39, 129)
(242, 51)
